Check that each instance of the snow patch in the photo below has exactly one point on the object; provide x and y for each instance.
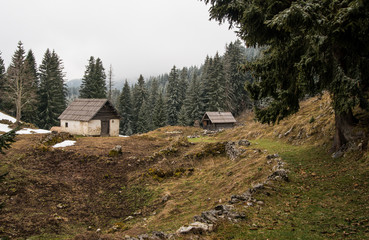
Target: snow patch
(32, 131)
(3, 116)
(66, 143)
(4, 128)
(123, 136)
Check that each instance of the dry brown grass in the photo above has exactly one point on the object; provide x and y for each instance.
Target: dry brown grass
(212, 180)
(312, 124)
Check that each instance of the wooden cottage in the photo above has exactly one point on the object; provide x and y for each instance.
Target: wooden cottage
(90, 117)
(218, 120)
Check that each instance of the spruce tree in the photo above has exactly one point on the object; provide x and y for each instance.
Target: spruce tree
(183, 118)
(159, 115)
(204, 84)
(216, 82)
(236, 97)
(87, 84)
(93, 81)
(100, 80)
(143, 118)
(139, 95)
(125, 110)
(313, 46)
(182, 85)
(30, 107)
(192, 103)
(173, 97)
(153, 98)
(52, 91)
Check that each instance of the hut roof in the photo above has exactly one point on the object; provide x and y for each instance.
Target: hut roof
(85, 109)
(220, 117)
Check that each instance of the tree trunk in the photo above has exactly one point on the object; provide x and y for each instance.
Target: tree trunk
(344, 123)
(18, 107)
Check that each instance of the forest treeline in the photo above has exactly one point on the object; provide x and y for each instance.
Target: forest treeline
(184, 95)
(180, 97)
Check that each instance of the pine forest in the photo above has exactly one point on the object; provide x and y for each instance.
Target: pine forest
(180, 97)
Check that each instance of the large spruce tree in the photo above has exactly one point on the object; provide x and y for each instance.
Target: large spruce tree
(52, 91)
(30, 107)
(93, 81)
(159, 114)
(153, 98)
(139, 95)
(236, 97)
(125, 110)
(173, 97)
(312, 46)
(192, 104)
(205, 85)
(142, 124)
(215, 84)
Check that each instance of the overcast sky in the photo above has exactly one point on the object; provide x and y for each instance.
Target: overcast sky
(135, 36)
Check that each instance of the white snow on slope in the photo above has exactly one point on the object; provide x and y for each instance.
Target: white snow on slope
(31, 131)
(66, 143)
(6, 128)
(7, 117)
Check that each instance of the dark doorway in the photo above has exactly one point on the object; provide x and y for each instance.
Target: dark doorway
(104, 128)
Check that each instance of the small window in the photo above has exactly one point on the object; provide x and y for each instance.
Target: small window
(66, 124)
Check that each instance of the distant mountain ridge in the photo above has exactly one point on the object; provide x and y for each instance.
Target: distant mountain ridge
(76, 83)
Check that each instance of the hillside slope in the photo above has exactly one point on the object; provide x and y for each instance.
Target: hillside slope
(163, 179)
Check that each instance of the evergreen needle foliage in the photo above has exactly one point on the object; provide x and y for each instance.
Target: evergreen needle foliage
(184, 95)
(93, 81)
(311, 46)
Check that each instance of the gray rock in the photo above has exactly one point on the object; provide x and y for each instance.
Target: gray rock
(209, 217)
(236, 215)
(128, 218)
(279, 174)
(258, 186)
(271, 156)
(196, 228)
(165, 198)
(232, 151)
(117, 150)
(337, 154)
(224, 208)
(143, 237)
(240, 198)
(244, 142)
(159, 235)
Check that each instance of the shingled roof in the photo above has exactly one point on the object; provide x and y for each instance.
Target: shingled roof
(84, 109)
(220, 117)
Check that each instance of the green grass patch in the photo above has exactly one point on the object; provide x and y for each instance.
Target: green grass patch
(325, 199)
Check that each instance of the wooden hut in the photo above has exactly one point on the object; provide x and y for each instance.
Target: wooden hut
(90, 117)
(218, 120)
